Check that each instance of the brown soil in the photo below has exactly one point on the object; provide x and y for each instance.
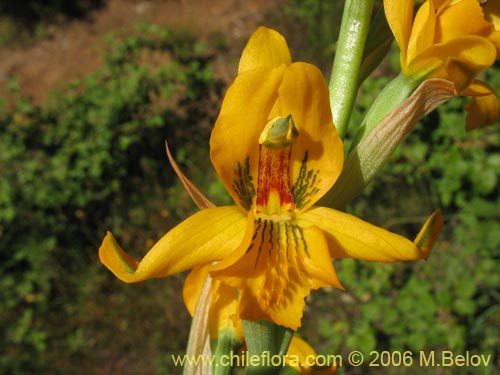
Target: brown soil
(74, 49)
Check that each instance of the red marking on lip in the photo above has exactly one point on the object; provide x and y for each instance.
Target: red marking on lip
(274, 175)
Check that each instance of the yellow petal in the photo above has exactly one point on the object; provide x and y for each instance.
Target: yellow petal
(442, 43)
(240, 250)
(399, 15)
(275, 268)
(255, 98)
(318, 148)
(223, 310)
(460, 19)
(266, 49)
(423, 31)
(234, 147)
(302, 357)
(350, 237)
(207, 236)
(484, 107)
(458, 60)
(317, 263)
(192, 287)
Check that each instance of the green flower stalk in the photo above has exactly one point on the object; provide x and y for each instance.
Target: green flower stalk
(344, 81)
(267, 343)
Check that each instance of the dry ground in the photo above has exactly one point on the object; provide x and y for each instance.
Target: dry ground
(74, 49)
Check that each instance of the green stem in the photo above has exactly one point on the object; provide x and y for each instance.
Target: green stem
(344, 80)
(226, 348)
(267, 345)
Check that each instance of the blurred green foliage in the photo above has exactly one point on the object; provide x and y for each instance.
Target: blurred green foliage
(90, 159)
(318, 23)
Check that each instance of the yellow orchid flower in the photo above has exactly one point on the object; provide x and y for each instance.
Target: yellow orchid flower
(277, 152)
(449, 39)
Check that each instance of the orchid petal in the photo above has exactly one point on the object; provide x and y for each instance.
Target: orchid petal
(484, 106)
(234, 141)
(258, 96)
(463, 18)
(304, 94)
(207, 236)
(351, 237)
(193, 286)
(472, 53)
(275, 268)
(492, 13)
(266, 49)
(400, 17)
(223, 313)
(423, 31)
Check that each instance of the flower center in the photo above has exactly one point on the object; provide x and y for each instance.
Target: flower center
(274, 198)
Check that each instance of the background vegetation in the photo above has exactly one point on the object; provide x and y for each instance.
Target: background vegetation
(92, 158)
(20, 21)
